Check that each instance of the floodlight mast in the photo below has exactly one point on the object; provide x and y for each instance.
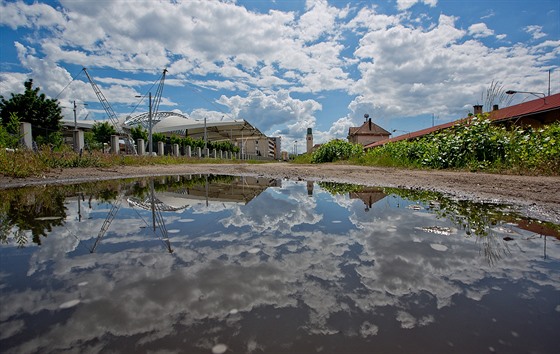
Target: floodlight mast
(156, 99)
(159, 92)
(111, 113)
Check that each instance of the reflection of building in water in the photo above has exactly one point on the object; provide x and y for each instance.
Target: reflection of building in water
(241, 190)
(369, 195)
(540, 229)
(309, 188)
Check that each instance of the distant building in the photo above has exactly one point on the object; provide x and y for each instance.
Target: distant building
(277, 141)
(367, 133)
(309, 140)
(264, 147)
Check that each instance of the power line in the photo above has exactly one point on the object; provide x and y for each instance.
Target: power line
(206, 99)
(65, 87)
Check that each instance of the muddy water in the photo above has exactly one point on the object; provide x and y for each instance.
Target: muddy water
(230, 264)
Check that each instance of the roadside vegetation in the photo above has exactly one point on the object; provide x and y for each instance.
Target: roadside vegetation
(50, 151)
(474, 145)
(26, 163)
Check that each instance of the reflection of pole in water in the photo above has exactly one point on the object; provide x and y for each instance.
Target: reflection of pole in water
(309, 188)
(544, 246)
(206, 189)
(79, 208)
(157, 217)
(152, 202)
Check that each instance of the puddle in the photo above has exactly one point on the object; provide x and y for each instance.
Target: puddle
(219, 264)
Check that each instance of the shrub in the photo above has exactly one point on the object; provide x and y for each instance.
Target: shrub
(336, 150)
(9, 134)
(476, 144)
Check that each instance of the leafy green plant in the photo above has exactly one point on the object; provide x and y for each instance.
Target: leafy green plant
(476, 144)
(9, 134)
(139, 132)
(336, 150)
(33, 107)
(102, 132)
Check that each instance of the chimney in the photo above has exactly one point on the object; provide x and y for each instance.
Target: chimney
(477, 109)
(495, 107)
(369, 121)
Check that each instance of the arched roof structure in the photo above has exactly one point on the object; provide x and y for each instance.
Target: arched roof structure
(176, 123)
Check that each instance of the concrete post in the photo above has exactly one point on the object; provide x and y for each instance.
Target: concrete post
(175, 150)
(160, 148)
(188, 151)
(115, 147)
(26, 135)
(198, 152)
(78, 140)
(214, 153)
(141, 147)
(206, 152)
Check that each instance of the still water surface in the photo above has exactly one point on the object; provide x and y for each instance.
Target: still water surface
(215, 264)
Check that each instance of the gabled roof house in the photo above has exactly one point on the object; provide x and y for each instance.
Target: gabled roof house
(367, 133)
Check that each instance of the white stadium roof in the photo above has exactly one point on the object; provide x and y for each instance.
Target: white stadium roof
(171, 122)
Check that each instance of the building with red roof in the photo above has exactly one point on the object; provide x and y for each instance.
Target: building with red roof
(367, 133)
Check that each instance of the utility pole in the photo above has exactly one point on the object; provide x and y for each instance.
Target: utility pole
(75, 121)
(205, 136)
(151, 149)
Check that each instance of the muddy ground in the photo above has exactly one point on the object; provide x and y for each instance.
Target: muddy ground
(533, 196)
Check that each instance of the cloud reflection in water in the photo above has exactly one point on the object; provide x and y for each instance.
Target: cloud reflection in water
(274, 274)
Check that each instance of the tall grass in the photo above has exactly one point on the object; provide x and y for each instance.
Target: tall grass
(476, 145)
(25, 163)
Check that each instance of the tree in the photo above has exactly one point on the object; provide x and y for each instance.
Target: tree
(9, 134)
(103, 131)
(139, 132)
(44, 114)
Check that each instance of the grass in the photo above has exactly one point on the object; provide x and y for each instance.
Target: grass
(25, 163)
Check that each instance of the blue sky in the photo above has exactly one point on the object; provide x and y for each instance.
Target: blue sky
(284, 66)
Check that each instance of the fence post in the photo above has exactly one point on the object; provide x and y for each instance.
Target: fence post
(26, 135)
(115, 148)
(78, 136)
(141, 147)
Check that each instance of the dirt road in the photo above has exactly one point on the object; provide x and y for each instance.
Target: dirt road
(534, 196)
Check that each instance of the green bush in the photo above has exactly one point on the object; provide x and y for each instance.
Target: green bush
(476, 144)
(336, 150)
(9, 134)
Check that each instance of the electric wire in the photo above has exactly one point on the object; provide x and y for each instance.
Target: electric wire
(65, 87)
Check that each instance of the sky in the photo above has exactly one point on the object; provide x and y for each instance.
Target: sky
(284, 66)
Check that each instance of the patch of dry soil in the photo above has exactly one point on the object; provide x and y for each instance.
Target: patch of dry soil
(533, 196)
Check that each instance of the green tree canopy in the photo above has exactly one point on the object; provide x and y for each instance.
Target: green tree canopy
(33, 107)
(103, 131)
(139, 132)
